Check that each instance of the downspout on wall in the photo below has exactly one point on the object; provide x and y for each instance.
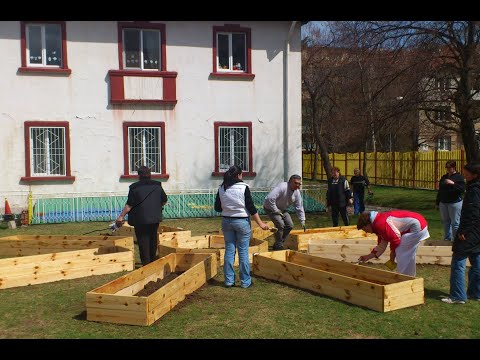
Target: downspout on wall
(286, 54)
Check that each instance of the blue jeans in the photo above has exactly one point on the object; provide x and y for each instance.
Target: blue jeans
(450, 215)
(457, 277)
(358, 203)
(236, 232)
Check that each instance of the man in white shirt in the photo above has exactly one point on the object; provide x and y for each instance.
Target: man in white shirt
(276, 204)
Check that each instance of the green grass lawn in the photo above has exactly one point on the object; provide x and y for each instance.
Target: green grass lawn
(267, 310)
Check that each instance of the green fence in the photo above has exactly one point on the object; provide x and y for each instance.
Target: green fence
(76, 208)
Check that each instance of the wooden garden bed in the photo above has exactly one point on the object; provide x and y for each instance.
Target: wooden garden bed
(164, 232)
(299, 240)
(356, 284)
(40, 259)
(208, 244)
(115, 301)
(350, 252)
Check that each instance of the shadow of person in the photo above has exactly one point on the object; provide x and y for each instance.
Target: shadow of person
(435, 294)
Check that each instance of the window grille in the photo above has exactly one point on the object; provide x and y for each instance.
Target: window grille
(233, 148)
(47, 147)
(144, 146)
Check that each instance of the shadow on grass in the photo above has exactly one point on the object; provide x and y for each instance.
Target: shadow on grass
(81, 316)
(435, 294)
(215, 282)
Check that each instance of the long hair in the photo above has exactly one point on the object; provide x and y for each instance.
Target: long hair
(230, 176)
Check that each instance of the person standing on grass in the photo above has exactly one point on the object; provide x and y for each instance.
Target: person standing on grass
(338, 196)
(359, 183)
(144, 207)
(466, 243)
(402, 229)
(449, 199)
(276, 204)
(235, 202)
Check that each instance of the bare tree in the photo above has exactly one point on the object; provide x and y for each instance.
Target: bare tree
(450, 50)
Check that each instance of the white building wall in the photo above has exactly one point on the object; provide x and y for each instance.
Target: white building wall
(96, 135)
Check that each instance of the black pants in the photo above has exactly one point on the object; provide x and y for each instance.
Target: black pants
(343, 212)
(147, 242)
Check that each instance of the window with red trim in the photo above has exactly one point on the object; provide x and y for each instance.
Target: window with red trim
(232, 51)
(144, 144)
(142, 46)
(47, 150)
(44, 46)
(233, 146)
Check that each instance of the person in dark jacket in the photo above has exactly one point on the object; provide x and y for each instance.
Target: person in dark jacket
(359, 183)
(144, 207)
(235, 202)
(449, 199)
(467, 242)
(338, 196)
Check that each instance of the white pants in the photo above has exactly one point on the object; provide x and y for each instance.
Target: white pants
(406, 252)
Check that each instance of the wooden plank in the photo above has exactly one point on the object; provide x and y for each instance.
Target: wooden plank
(179, 290)
(325, 229)
(403, 301)
(259, 233)
(403, 288)
(117, 316)
(8, 282)
(136, 276)
(185, 262)
(300, 241)
(115, 302)
(78, 259)
(175, 235)
(356, 271)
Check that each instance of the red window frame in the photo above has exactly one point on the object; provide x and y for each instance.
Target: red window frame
(23, 45)
(216, 126)
(142, 26)
(247, 75)
(126, 126)
(28, 175)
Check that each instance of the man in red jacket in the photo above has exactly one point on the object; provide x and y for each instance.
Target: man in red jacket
(402, 229)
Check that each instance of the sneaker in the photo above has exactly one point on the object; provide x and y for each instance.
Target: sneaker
(276, 248)
(474, 299)
(452, 301)
(249, 286)
(229, 285)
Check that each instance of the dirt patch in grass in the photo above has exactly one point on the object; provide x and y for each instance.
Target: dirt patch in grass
(152, 286)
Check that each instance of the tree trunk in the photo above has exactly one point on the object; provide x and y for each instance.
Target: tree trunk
(315, 164)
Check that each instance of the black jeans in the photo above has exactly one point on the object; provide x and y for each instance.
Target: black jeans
(147, 242)
(343, 212)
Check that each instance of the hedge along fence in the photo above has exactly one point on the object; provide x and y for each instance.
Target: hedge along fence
(413, 169)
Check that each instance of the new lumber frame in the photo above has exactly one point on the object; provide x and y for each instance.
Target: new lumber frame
(38, 259)
(375, 289)
(116, 302)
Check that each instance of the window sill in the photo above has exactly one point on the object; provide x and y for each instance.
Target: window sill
(44, 70)
(245, 174)
(232, 75)
(154, 176)
(47, 178)
(145, 101)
